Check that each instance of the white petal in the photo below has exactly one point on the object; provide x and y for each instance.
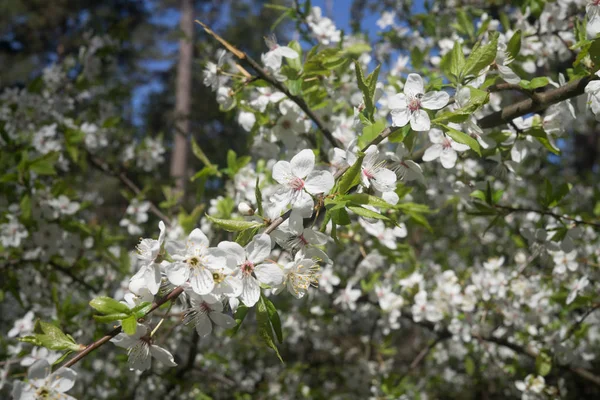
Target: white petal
(259, 248)
(436, 136)
(270, 274)
(384, 180)
(315, 237)
(282, 172)
(152, 278)
(39, 370)
(287, 52)
(432, 152)
(139, 357)
(419, 121)
(162, 355)
(400, 117)
(508, 74)
(303, 163)
(223, 320)
(63, 379)
(235, 284)
(178, 273)
(202, 280)
(250, 292)
(459, 146)
(390, 197)
(398, 101)
(435, 100)
(413, 85)
(234, 250)
(319, 182)
(448, 158)
(197, 239)
(203, 325)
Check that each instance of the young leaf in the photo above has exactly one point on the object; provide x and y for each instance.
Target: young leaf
(274, 318)
(514, 45)
(258, 195)
(481, 57)
(129, 325)
(265, 329)
(108, 305)
(463, 138)
(233, 225)
(351, 177)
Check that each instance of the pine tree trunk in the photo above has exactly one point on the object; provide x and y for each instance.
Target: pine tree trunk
(183, 96)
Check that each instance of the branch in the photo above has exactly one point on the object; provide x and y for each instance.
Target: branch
(545, 100)
(100, 342)
(502, 87)
(548, 213)
(102, 166)
(273, 82)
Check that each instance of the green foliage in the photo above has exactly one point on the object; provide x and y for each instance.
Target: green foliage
(52, 337)
(265, 325)
(233, 225)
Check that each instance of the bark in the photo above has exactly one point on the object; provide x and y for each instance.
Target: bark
(183, 96)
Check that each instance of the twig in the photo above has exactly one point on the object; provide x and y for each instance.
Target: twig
(100, 342)
(577, 324)
(273, 82)
(501, 87)
(102, 166)
(548, 213)
(545, 100)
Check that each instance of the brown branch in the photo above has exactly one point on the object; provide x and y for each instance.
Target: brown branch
(103, 167)
(275, 83)
(548, 213)
(545, 100)
(503, 87)
(100, 342)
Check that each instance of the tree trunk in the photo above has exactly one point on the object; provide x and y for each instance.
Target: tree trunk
(183, 96)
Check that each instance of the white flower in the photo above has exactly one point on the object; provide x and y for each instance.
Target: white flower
(347, 298)
(246, 119)
(149, 254)
(565, 261)
(388, 300)
(298, 179)
(408, 106)
(373, 172)
(12, 232)
(387, 19)
(593, 14)
(297, 238)
(328, 280)
(64, 205)
(300, 275)
(251, 274)
(202, 314)
(141, 349)
(197, 262)
(493, 263)
(406, 170)
(502, 61)
(323, 28)
(443, 147)
(273, 58)
(579, 286)
(43, 384)
(593, 91)
(22, 326)
(534, 384)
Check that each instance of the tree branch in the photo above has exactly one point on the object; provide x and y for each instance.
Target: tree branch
(273, 82)
(545, 100)
(103, 167)
(106, 338)
(548, 213)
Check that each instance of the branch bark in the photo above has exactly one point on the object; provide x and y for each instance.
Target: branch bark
(183, 96)
(543, 100)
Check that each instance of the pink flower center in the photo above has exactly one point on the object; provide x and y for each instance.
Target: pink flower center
(205, 308)
(247, 267)
(303, 240)
(297, 183)
(368, 174)
(446, 143)
(414, 104)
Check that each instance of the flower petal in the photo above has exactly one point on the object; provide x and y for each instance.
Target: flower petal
(162, 355)
(197, 239)
(259, 248)
(433, 152)
(413, 85)
(250, 292)
(398, 101)
(234, 250)
(435, 100)
(178, 273)
(419, 121)
(269, 274)
(202, 280)
(282, 172)
(303, 163)
(448, 158)
(400, 116)
(63, 379)
(223, 320)
(319, 182)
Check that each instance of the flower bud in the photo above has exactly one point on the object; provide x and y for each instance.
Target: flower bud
(245, 209)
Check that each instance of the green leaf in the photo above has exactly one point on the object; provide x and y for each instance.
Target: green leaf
(477, 98)
(465, 24)
(367, 87)
(541, 136)
(274, 318)
(111, 317)
(363, 198)
(258, 195)
(53, 338)
(129, 325)
(233, 225)
(351, 177)
(265, 329)
(108, 305)
(463, 138)
(340, 217)
(481, 57)
(469, 366)
(535, 83)
(200, 154)
(44, 165)
(25, 206)
(239, 316)
(370, 132)
(356, 49)
(543, 364)
(514, 45)
(559, 194)
(365, 212)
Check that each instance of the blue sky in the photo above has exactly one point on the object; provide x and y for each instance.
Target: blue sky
(337, 10)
